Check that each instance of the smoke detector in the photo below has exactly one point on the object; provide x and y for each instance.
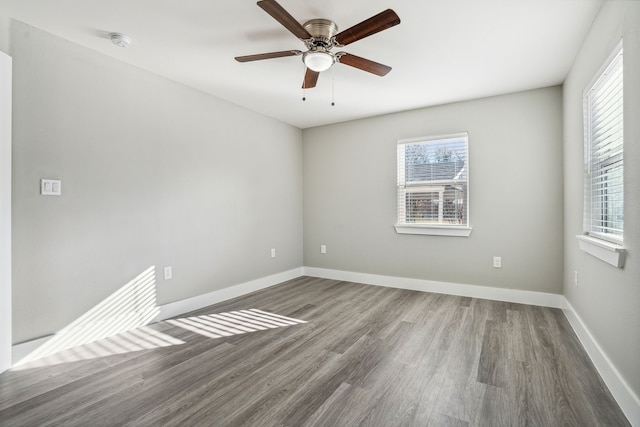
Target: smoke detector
(120, 39)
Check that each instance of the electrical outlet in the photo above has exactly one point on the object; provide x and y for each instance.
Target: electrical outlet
(168, 273)
(497, 262)
(323, 249)
(575, 277)
(273, 252)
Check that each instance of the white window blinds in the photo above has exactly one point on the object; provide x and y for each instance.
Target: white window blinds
(604, 137)
(432, 181)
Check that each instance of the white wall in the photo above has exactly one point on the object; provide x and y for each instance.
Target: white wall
(606, 298)
(515, 151)
(5, 27)
(153, 174)
(5, 212)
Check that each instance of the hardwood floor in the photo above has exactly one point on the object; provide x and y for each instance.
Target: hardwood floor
(366, 355)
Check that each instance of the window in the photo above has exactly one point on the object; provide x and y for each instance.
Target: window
(603, 223)
(433, 196)
(604, 136)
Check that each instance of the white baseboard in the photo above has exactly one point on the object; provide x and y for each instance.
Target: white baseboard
(475, 291)
(178, 308)
(626, 398)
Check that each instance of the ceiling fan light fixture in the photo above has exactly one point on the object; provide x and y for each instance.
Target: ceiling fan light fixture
(318, 60)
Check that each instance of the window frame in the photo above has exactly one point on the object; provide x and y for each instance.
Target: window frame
(605, 246)
(434, 229)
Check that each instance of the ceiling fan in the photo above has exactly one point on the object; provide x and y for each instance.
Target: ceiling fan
(320, 36)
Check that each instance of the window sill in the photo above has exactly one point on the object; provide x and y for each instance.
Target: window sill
(608, 252)
(434, 230)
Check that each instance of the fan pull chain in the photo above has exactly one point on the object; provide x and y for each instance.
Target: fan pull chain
(333, 84)
(304, 90)
(304, 84)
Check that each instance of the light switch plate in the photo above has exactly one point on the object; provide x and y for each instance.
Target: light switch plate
(50, 187)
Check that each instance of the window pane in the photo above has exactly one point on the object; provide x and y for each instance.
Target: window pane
(422, 207)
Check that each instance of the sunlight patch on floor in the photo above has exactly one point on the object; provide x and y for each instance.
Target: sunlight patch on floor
(139, 339)
(234, 323)
(71, 345)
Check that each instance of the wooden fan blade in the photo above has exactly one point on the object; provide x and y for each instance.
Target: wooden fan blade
(310, 79)
(282, 16)
(375, 24)
(260, 56)
(363, 64)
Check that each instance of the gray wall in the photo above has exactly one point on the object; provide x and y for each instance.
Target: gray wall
(606, 297)
(515, 149)
(153, 174)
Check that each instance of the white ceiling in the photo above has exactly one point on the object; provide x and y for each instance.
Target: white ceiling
(443, 50)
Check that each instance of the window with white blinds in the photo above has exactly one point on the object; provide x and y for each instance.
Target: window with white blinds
(604, 139)
(433, 182)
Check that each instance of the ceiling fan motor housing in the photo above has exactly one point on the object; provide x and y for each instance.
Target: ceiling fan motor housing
(322, 31)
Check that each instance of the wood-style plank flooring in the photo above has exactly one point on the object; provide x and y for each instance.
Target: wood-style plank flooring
(366, 355)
